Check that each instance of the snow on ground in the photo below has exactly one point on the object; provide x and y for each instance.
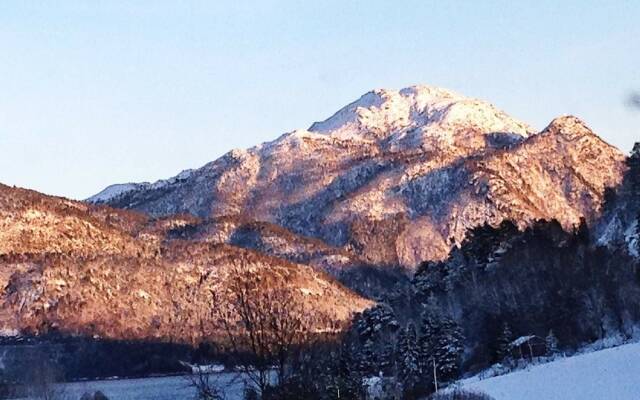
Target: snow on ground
(162, 388)
(606, 374)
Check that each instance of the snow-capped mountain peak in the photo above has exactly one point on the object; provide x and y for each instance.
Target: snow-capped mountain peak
(422, 111)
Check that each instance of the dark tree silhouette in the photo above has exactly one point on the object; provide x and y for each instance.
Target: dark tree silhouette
(265, 328)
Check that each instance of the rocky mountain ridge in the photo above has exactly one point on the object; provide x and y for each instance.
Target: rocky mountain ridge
(397, 177)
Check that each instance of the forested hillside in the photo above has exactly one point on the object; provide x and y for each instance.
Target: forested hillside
(508, 294)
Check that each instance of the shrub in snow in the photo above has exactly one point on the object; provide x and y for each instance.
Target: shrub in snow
(460, 394)
(94, 396)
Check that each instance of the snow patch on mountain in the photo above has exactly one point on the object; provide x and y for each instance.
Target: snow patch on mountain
(113, 191)
(182, 176)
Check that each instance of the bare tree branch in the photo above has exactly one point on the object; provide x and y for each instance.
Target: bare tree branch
(265, 325)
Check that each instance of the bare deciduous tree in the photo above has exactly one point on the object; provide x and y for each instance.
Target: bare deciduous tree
(266, 326)
(206, 385)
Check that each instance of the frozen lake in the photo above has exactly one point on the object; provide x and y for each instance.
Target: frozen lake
(161, 388)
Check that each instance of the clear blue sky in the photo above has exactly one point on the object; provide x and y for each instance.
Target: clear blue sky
(99, 92)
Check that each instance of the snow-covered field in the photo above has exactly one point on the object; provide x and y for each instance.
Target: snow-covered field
(612, 373)
(164, 388)
(606, 374)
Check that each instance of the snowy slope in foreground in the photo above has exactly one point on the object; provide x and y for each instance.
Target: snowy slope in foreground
(606, 374)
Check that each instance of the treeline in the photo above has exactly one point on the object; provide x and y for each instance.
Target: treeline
(503, 295)
(539, 280)
(77, 358)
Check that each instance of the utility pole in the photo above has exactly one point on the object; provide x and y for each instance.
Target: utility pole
(435, 375)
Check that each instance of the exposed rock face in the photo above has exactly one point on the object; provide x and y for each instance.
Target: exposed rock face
(79, 269)
(398, 176)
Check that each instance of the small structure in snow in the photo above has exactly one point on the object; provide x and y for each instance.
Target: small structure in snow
(528, 347)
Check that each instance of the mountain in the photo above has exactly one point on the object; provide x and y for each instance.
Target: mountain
(77, 269)
(397, 177)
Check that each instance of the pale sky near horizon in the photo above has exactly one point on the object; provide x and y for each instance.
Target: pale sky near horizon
(100, 92)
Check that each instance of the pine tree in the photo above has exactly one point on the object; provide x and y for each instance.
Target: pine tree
(633, 179)
(427, 342)
(504, 343)
(440, 344)
(638, 235)
(485, 244)
(408, 367)
(376, 321)
(346, 382)
(376, 329)
(552, 343)
(449, 350)
(368, 361)
(428, 277)
(633, 162)
(386, 355)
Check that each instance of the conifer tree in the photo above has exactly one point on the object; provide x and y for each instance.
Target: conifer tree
(638, 235)
(346, 382)
(449, 350)
(368, 362)
(633, 162)
(440, 344)
(552, 343)
(427, 342)
(504, 343)
(377, 329)
(408, 366)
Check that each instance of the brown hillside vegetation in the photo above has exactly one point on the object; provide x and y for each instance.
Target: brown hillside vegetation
(77, 269)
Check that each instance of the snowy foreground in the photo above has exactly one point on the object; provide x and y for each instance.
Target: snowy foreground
(606, 374)
(164, 388)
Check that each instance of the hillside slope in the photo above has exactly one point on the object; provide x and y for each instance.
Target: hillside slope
(398, 176)
(72, 268)
(605, 374)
